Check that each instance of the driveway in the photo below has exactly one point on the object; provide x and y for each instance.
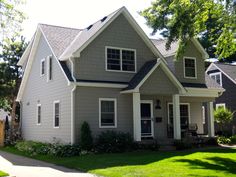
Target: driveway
(25, 167)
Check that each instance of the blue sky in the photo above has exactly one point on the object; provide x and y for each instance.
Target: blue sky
(77, 13)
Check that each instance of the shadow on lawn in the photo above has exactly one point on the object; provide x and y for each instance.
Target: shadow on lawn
(217, 164)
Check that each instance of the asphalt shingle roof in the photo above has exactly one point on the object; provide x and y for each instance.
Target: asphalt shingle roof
(160, 44)
(230, 70)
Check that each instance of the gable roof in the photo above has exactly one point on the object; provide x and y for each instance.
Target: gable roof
(227, 69)
(87, 35)
(148, 68)
(160, 44)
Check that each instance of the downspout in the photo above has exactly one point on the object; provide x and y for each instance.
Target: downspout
(72, 102)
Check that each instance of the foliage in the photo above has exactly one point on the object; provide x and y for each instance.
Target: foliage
(3, 174)
(223, 115)
(86, 137)
(54, 149)
(182, 145)
(11, 17)
(211, 141)
(223, 140)
(213, 21)
(233, 139)
(154, 146)
(111, 141)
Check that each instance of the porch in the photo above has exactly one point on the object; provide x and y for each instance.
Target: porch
(167, 117)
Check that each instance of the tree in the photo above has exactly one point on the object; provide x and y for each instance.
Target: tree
(10, 73)
(222, 116)
(10, 17)
(86, 137)
(213, 21)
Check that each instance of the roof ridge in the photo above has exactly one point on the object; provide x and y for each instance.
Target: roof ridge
(228, 64)
(60, 26)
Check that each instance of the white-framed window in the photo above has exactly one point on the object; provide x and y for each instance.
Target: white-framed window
(49, 68)
(217, 77)
(39, 114)
(184, 114)
(56, 114)
(120, 59)
(220, 105)
(42, 67)
(190, 67)
(107, 113)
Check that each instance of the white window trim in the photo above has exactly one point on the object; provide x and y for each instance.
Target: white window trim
(37, 121)
(48, 68)
(115, 111)
(168, 111)
(217, 73)
(41, 64)
(220, 105)
(54, 102)
(203, 115)
(195, 64)
(121, 69)
(152, 117)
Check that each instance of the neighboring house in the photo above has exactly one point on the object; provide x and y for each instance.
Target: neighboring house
(111, 75)
(225, 75)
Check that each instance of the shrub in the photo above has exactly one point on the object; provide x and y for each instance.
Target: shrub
(233, 139)
(55, 149)
(181, 145)
(86, 137)
(212, 142)
(154, 146)
(223, 140)
(111, 141)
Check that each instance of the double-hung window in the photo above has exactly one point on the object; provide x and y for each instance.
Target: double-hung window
(217, 77)
(190, 68)
(107, 113)
(120, 59)
(42, 67)
(39, 114)
(56, 113)
(49, 68)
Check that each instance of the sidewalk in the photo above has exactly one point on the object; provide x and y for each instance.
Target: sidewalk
(20, 166)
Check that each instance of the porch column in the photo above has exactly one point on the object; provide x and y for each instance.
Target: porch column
(176, 117)
(210, 112)
(136, 116)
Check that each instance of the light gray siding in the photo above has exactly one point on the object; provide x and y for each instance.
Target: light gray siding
(158, 83)
(177, 66)
(91, 63)
(39, 91)
(87, 109)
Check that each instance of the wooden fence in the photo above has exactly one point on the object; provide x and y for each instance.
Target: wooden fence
(2, 135)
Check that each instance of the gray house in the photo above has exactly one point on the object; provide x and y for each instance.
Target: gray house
(225, 75)
(113, 76)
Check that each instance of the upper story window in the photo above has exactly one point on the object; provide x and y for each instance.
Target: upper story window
(190, 68)
(217, 77)
(120, 59)
(107, 113)
(220, 105)
(49, 68)
(42, 67)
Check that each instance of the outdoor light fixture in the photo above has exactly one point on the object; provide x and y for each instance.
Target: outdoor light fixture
(158, 104)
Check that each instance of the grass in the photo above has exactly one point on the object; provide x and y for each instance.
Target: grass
(3, 174)
(208, 162)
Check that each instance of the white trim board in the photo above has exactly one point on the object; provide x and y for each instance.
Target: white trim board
(55, 102)
(215, 74)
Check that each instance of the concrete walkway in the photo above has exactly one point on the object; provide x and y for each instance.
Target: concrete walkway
(19, 166)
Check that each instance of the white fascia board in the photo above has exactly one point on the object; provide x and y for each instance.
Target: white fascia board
(104, 85)
(202, 92)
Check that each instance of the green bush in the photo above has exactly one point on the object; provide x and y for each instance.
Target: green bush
(233, 139)
(86, 137)
(223, 140)
(211, 142)
(182, 145)
(154, 146)
(55, 149)
(111, 141)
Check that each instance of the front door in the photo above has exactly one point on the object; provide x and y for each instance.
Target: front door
(146, 118)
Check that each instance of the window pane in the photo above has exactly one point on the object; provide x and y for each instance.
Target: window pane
(39, 114)
(128, 60)
(107, 113)
(42, 67)
(56, 114)
(189, 67)
(113, 59)
(50, 68)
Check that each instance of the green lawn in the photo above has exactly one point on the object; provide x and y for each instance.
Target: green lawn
(3, 174)
(207, 162)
